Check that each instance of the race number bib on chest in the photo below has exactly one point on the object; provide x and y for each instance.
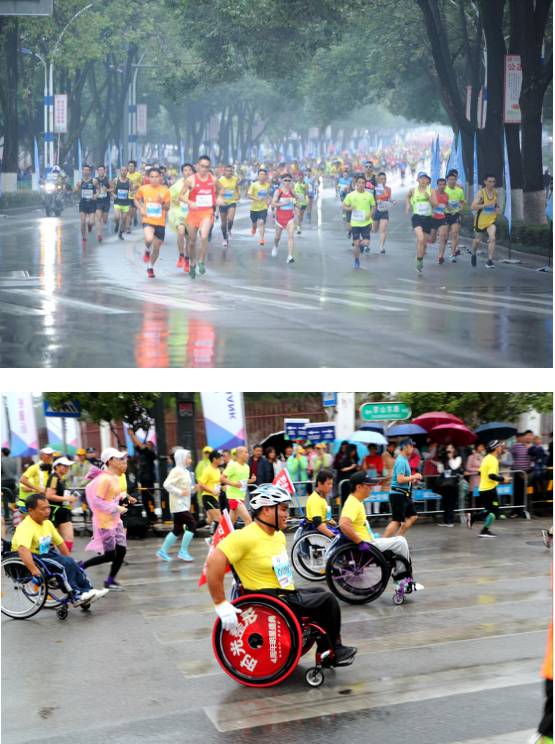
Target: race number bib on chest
(153, 209)
(282, 569)
(229, 194)
(86, 193)
(359, 215)
(204, 200)
(44, 544)
(423, 208)
(123, 194)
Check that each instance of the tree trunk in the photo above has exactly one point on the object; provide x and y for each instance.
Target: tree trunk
(9, 98)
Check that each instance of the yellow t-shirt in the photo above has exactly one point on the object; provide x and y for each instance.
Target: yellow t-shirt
(39, 538)
(230, 189)
(260, 559)
(316, 506)
(122, 483)
(489, 466)
(36, 476)
(136, 180)
(210, 477)
(354, 510)
(261, 192)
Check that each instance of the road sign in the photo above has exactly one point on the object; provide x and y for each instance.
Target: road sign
(295, 427)
(69, 409)
(386, 411)
(324, 432)
(26, 7)
(329, 400)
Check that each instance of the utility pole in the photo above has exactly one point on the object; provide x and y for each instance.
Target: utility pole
(159, 413)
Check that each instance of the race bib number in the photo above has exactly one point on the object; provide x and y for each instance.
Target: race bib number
(153, 209)
(263, 194)
(184, 207)
(288, 206)
(229, 194)
(243, 486)
(440, 208)
(86, 194)
(123, 194)
(102, 192)
(423, 208)
(204, 200)
(359, 215)
(489, 208)
(454, 203)
(44, 544)
(383, 205)
(282, 569)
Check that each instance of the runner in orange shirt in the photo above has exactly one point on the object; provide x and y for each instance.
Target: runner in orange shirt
(199, 190)
(153, 202)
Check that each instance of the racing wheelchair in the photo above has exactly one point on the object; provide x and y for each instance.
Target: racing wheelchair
(308, 554)
(22, 595)
(266, 646)
(358, 577)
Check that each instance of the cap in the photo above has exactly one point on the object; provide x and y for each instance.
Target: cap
(80, 451)
(47, 451)
(62, 461)
(322, 445)
(207, 449)
(110, 453)
(362, 477)
(404, 442)
(91, 449)
(423, 173)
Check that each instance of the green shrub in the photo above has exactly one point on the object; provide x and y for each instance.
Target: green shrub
(10, 199)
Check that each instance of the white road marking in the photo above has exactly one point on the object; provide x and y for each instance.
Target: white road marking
(513, 298)
(69, 301)
(10, 309)
(492, 302)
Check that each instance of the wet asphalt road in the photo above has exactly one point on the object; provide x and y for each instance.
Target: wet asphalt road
(61, 306)
(457, 663)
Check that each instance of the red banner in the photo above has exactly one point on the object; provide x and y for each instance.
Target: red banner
(224, 529)
(283, 479)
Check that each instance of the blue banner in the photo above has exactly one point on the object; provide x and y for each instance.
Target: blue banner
(460, 162)
(507, 179)
(435, 162)
(452, 161)
(295, 428)
(37, 165)
(181, 154)
(324, 432)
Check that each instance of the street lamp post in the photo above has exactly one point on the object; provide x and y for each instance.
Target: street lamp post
(132, 112)
(45, 99)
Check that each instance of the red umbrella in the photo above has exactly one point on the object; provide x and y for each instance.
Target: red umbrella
(436, 418)
(457, 434)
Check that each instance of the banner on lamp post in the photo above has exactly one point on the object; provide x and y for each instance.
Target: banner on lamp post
(224, 419)
(60, 113)
(4, 424)
(512, 86)
(66, 442)
(141, 118)
(24, 439)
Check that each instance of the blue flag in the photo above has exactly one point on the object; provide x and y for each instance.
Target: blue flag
(452, 160)
(435, 163)
(475, 182)
(109, 159)
(549, 208)
(181, 153)
(507, 179)
(460, 162)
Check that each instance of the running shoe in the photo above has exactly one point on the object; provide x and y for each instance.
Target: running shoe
(120, 236)
(201, 267)
(441, 260)
(113, 586)
(486, 533)
(150, 272)
(274, 251)
(128, 231)
(187, 265)
(417, 587)
(116, 227)
(298, 231)
(253, 229)
(343, 654)
(490, 264)
(382, 251)
(453, 259)
(180, 261)
(89, 228)
(146, 256)
(224, 244)
(473, 259)
(99, 593)
(163, 555)
(290, 259)
(192, 271)
(419, 265)
(262, 242)
(458, 252)
(99, 238)
(356, 263)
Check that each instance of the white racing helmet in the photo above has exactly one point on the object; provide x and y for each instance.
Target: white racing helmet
(268, 495)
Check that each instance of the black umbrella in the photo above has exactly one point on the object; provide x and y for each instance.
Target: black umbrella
(495, 430)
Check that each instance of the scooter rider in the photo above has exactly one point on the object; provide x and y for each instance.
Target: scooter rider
(258, 554)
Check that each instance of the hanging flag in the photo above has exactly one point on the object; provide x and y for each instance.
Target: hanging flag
(225, 528)
(507, 184)
(283, 479)
(475, 182)
(23, 428)
(452, 160)
(4, 429)
(224, 419)
(549, 208)
(181, 153)
(79, 157)
(435, 164)
(460, 162)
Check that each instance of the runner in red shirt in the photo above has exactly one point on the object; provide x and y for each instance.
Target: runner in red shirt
(440, 228)
(199, 190)
(283, 202)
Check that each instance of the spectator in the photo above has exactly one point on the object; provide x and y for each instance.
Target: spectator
(340, 454)
(9, 470)
(201, 464)
(320, 460)
(373, 462)
(430, 457)
(79, 470)
(538, 456)
(473, 463)
(266, 472)
(92, 457)
(388, 458)
(348, 465)
(450, 468)
(147, 473)
(297, 465)
(254, 461)
(288, 452)
(414, 461)
(522, 464)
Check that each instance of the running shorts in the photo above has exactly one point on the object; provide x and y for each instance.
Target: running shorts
(60, 514)
(210, 502)
(262, 215)
(453, 219)
(225, 207)
(302, 207)
(489, 501)
(283, 218)
(438, 223)
(233, 503)
(124, 208)
(360, 232)
(159, 230)
(103, 204)
(381, 215)
(402, 506)
(87, 206)
(425, 223)
(196, 217)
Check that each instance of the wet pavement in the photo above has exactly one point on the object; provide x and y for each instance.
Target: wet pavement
(457, 663)
(61, 306)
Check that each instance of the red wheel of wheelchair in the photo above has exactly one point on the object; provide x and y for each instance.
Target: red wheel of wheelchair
(266, 647)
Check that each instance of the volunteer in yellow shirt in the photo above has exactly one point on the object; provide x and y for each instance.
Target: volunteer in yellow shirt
(37, 536)
(228, 191)
(258, 554)
(153, 202)
(317, 508)
(489, 478)
(354, 525)
(259, 194)
(210, 486)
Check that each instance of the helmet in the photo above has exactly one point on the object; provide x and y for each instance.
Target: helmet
(268, 495)
(493, 445)
(56, 169)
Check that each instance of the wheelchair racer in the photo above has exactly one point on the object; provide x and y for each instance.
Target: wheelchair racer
(317, 508)
(37, 536)
(258, 554)
(354, 526)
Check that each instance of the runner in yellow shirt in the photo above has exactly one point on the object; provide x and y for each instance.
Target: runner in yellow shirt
(259, 194)
(210, 481)
(136, 179)
(228, 191)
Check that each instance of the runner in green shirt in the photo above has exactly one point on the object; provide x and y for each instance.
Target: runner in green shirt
(236, 477)
(361, 204)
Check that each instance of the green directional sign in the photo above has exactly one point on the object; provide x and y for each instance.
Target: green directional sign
(390, 411)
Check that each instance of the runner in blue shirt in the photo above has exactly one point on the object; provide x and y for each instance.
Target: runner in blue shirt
(403, 513)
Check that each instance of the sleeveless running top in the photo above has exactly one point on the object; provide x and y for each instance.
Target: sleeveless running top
(88, 190)
(383, 197)
(122, 193)
(421, 205)
(203, 193)
(456, 196)
(285, 210)
(486, 215)
(103, 186)
(442, 202)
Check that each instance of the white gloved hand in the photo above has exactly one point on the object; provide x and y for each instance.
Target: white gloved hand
(227, 614)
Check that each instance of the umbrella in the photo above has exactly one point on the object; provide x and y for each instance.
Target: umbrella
(368, 437)
(373, 427)
(277, 441)
(457, 434)
(362, 449)
(405, 430)
(495, 430)
(436, 418)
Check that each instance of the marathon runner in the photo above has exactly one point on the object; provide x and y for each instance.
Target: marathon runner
(360, 203)
(301, 191)
(179, 211)
(419, 200)
(259, 194)
(136, 180)
(199, 190)
(439, 223)
(487, 209)
(284, 203)
(153, 201)
(102, 201)
(122, 202)
(456, 202)
(228, 191)
(87, 189)
(381, 213)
